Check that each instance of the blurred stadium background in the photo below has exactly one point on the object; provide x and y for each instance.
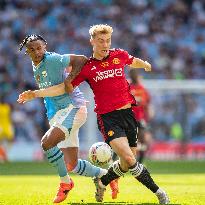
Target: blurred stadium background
(168, 33)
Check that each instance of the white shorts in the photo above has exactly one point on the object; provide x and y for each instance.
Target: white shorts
(69, 120)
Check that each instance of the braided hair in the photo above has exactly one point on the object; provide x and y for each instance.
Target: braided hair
(30, 38)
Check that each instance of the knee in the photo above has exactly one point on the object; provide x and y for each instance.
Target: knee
(130, 160)
(45, 143)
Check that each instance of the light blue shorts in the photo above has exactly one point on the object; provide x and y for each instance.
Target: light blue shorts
(69, 120)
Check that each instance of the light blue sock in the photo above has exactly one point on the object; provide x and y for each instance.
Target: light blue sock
(55, 157)
(85, 168)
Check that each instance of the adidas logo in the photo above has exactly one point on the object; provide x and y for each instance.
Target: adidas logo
(93, 68)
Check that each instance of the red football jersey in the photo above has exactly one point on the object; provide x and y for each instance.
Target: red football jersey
(142, 98)
(107, 80)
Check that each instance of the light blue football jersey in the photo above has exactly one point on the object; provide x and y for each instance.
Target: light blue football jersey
(49, 72)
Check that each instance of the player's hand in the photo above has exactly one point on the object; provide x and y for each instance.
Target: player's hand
(148, 67)
(26, 96)
(68, 86)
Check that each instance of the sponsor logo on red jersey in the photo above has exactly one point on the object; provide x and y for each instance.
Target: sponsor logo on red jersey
(101, 75)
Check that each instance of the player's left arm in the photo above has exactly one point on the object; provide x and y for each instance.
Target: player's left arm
(138, 63)
(134, 62)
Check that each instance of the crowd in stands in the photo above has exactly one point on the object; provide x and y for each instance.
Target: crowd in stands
(170, 34)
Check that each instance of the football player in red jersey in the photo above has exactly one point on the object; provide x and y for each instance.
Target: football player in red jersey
(141, 112)
(104, 72)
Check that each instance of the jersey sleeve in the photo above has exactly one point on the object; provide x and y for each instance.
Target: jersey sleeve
(128, 58)
(60, 62)
(78, 79)
(65, 60)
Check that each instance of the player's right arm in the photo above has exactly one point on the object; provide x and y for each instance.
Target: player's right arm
(76, 62)
(47, 92)
(76, 76)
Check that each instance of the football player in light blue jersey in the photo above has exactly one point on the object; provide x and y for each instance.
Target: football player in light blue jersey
(66, 113)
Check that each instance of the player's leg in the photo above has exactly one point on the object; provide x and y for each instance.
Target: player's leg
(123, 165)
(138, 170)
(63, 120)
(121, 145)
(111, 126)
(78, 166)
(70, 148)
(117, 169)
(70, 155)
(114, 184)
(144, 177)
(70, 145)
(57, 133)
(127, 159)
(55, 156)
(82, 167)
(106, 125)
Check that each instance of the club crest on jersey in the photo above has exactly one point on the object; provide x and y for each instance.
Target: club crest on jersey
(104, 64)
(38, 78)
(110, 133)
(116, 61)
(44, 74)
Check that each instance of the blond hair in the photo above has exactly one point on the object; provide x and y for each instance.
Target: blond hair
(100, 29)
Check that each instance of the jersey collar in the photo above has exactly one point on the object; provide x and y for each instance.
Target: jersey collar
(37, 66)
(101, 59)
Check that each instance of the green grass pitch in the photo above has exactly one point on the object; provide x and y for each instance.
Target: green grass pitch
(36, 184)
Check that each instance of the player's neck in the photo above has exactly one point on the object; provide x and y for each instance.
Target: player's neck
(36, 63)
(98, 57)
